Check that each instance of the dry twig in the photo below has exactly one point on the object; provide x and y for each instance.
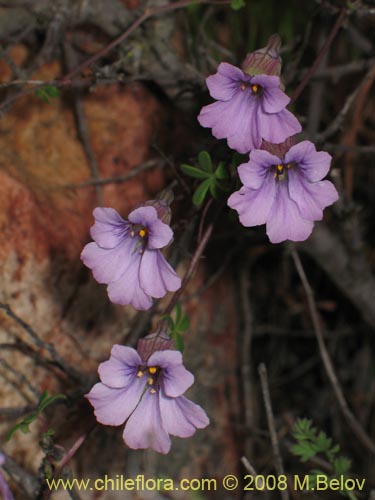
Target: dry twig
(271, 425)
(327, 362)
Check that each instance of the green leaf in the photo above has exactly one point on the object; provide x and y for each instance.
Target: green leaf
(178, 313)
(23, 426)
(46, 400)
(194, 172)
(221, 171)
(237, 4)
(205, 162)
(47, 92)
(303, 450)
(184, 324)
(179, 342)
(214, 188)
(341, 465)
(200, 192)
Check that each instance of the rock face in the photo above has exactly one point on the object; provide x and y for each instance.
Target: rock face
(45, 216)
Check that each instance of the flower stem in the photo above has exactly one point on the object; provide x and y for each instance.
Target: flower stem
(189, 273)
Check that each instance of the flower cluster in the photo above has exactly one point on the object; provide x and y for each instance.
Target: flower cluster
(286, 191)
(147, 394)
(143, 389)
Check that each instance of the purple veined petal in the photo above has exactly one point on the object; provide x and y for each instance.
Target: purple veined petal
(159, 235)
(176, 378)
(284, 221)
(180, 416)
(225, 83)
(254, 205)
(108, 265)
(156, 276)
(143, 215)
(314, 164)
(278, 126)
(113, 406)
(253, 173)
(235, 120)
(266, 81)
(311, 198)
(145, 429)
(165, 359)
(121, 368)
(273, 98)
(109, 228)
(127, 289)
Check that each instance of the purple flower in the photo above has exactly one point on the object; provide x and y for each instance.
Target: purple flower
(248, 109)
(285, 193)
(5, 492)
(147, 395)
(126, 256)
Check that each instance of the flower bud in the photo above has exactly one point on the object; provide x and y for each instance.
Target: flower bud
(265, 61)
(281, 149)
(161, 205)
(153, 342)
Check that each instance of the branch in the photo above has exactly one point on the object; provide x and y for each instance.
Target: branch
(189, 273)
(69, 370)
(322, 52)
(271, 425)
(327, 362)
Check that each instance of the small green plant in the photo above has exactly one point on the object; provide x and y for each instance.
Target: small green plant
(210, 177)
(179, 324)
(44, 402)
(237, 4)
(47, 92)
(311, 442)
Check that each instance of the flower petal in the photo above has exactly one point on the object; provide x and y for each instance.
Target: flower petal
(223, 84)
(159, 234)
(143, 215)
(176, 378)
(113, 406)
(254, 205)
(311, 198)
(314, 164)
(109, 228)
(145, 429)
(278, 126)
(273, 99)
(156, 276)
(108, 265)
(119, 371)
(127, 289)
(236, 120)
(253, 173)
(284, 221)
(165, 359)
(180, 416)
